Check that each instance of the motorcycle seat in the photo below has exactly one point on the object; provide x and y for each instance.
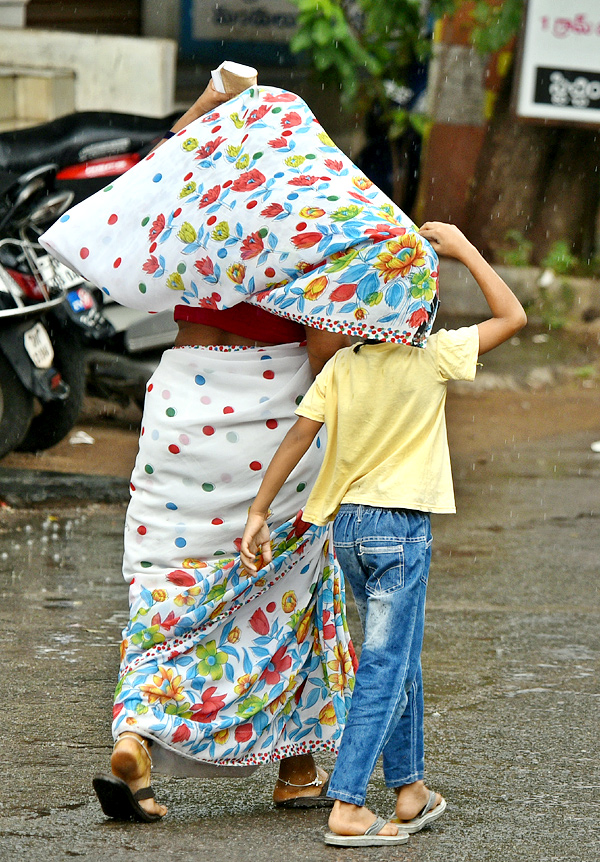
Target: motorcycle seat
(78, 138)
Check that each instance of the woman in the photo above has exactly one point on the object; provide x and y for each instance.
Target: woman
(267, 235)
(236, 361)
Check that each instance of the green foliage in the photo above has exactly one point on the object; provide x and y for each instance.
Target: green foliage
(518, 252)
(360, 46)
(560, 258)
(555, 305)
(496, 25)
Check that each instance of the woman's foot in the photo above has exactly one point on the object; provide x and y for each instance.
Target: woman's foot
(131, 763)
(410, 802)
(300, 778)
(347, 819)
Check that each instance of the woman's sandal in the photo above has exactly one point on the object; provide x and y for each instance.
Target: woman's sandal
(320, 801)
(369, 838)
(116, 797)
(427, 814)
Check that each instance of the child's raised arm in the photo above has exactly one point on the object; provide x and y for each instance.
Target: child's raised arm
(256, 538)
(508, 314)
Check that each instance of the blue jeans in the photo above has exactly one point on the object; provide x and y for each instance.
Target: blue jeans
(384, 555)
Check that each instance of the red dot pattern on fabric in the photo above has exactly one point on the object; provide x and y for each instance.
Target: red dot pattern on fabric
(113, 219)
(271, 607)
(84, 252)
(177, 212)
(175, 450)
(268, 375)
(215, 130)
(227, 184)
(208, 430)
(152, 248)
(287, 133)
(211, 220)
(117, 263)
(142, 530)
(251, 204)
(227, 409)
(256, 466)
(272, 423)
(217, 521)
(301, 225)
(269, 272)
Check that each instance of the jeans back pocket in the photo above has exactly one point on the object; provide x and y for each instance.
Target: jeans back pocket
(383, 558)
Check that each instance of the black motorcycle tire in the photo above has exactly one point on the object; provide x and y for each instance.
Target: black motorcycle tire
(57, 418)
(16, 408)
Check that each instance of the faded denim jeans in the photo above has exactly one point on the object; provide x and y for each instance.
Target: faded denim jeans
(385, 556)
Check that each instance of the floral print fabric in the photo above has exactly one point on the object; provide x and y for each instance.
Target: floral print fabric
(255, 202)
(216, 667)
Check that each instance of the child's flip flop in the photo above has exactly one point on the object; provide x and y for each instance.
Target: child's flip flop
(427, 814)
(370, 838)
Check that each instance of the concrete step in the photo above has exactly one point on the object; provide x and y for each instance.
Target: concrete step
(29, 95)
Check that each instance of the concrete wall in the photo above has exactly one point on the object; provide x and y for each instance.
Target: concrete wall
(161, 19)
(113, 73)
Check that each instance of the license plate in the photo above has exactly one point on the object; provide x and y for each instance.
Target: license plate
(39, 346)
(57, 274)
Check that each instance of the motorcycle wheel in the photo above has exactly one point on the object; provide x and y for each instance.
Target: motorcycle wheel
(56, 418)
(16, 408)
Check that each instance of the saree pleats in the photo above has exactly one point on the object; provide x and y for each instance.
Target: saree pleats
(218, 668)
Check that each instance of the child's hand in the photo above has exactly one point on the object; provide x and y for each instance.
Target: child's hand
(256, 540)
(447, 239)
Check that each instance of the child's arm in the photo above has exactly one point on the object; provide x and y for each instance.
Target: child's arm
(256, 538)
(508, 314)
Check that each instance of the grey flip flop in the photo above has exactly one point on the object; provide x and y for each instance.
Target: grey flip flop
(427, 814)
(369, 839)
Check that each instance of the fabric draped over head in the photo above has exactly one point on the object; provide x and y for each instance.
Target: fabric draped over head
(254, 202)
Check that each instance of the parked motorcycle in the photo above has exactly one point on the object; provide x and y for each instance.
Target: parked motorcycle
(90, 149)
(47, 314)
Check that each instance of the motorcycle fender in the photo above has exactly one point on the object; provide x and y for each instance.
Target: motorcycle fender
(37, 380)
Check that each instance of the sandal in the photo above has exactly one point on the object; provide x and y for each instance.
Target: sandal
(320, 801)
(116, 798)
(427, 814)
(369, 838)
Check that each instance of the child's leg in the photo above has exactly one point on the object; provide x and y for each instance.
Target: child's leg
(403, 755)
(384, 555)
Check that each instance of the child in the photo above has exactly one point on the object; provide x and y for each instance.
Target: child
(386, 468)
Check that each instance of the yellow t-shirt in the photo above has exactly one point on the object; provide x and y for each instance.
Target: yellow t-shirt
(384, 409)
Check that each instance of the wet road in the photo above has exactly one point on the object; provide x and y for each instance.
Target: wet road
(511, 667)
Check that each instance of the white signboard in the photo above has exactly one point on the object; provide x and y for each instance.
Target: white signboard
(244, 20)
(560, 67)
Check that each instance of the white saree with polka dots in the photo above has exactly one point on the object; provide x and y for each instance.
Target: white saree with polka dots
(217, 669)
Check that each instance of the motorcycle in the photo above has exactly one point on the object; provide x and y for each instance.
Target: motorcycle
(90, 150)
(47, 315)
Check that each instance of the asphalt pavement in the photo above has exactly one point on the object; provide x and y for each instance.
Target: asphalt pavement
(511, 670)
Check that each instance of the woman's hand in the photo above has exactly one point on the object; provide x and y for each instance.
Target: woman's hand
(204, 104)
(208, 101)
(447, 240)
(256, 541)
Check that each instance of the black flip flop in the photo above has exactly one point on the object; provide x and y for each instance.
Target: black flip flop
(320, 801)
(119, 802)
